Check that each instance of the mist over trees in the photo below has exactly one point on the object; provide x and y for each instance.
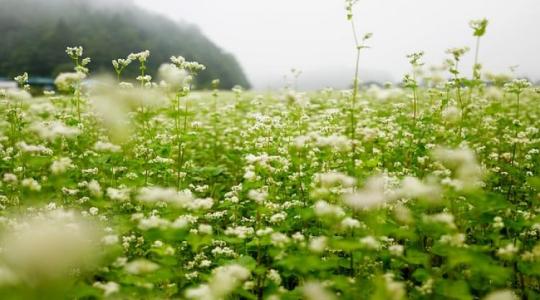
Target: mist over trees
(35, 34)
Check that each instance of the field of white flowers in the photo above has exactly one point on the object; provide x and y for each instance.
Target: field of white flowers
(152, 190)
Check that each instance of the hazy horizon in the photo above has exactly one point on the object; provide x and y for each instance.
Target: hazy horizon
(314, 36)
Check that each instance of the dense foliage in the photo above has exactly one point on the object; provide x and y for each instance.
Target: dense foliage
(35, 33)
(426, 190)
(157, 192)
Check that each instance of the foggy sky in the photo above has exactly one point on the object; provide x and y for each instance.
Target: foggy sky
(269, 37)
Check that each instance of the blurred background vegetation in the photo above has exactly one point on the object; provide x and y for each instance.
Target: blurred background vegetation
(35, 34)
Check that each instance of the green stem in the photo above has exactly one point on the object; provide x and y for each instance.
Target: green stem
(352, 112)
(476, 74)
(181, 147)
(78, 102)
(516, 131)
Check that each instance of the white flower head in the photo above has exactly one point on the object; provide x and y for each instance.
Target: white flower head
(371, 196)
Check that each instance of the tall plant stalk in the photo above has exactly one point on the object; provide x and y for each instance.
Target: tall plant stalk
(190, 69)
(76, 53)
(479, 28)
(359, 45)
(516, 87)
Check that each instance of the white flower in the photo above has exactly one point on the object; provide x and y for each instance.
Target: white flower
(34, 149)
(502, 295)
(237, 89)
(223, 251)
(172, 76)
(65, 82)
(199, 204)
(396, 250)
(74, 52)
(49, 246)
(455, 240)
(337, 143)
(205, 228)
(443, 218)
(126, 85)
(517, 86)
(94, 188)
(274, 276)
(370, 242)
(279, 239)
(412, 187)
(371, 196)
(106, 147)
(10, 178)
(120, 64)
(250, 175)
(201, 292)
(54, 130)
(153, 222)
(298, 237)
(61, 165)
(118, 194)
(31, 184)
(258, 196)
(451, 114)
(223, 281)
(190, 66)
(141, 56)
(18, 95)
(508, 251)
(22, 79)
(145, 78)
(466, 170)
(93, 211)
(315, 291)
(264, 231)
(278, 218)
(350, 223)
(178, 60)
(86, 61)
(332, 179)
(108, 288)
(157, 194)
(325, 209)
(140, 266)
(318, 244)
(240, 231)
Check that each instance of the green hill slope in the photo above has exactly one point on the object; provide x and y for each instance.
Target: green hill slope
(35, 33)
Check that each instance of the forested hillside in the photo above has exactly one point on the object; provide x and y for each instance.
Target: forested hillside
(35, 33)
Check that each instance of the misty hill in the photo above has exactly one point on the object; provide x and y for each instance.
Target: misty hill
(35, 34)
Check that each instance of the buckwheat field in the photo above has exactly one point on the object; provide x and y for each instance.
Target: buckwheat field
(148, 188)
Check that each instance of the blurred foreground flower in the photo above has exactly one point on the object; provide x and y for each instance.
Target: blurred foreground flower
(467, 173)
(114, 105)
(43, 255)
(46, 249)
(224, 281)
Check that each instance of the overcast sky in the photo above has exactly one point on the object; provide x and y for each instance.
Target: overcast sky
(269, 37)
